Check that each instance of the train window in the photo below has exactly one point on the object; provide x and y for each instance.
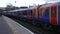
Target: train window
(47, 12)
(42, 10)
(21, 13)
(24, 12)
(9, 13)
(29, 12)
(53, 11)
(34, 11)
(14, 13)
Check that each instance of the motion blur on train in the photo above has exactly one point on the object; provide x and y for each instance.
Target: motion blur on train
(1, 12)
(47, 15)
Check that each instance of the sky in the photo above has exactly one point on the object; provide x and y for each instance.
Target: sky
(19, 3)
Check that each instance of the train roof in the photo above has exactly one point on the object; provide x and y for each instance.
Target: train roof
(50, 4)
(23, 9)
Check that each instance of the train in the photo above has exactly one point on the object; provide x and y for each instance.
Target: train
(1, 12)
(48, 15)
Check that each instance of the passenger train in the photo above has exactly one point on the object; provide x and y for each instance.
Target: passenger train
(47, 14)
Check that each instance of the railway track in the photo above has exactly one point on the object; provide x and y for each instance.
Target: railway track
(35, 29)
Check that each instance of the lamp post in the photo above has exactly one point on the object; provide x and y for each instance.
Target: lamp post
(15, 3)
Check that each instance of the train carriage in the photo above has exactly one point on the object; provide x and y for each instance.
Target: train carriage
(48, 15)
(26, 13)
(1, 12)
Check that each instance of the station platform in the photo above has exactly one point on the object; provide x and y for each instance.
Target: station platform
(9, 26)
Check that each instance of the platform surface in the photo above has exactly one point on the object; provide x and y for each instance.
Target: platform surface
(15, 27)
(4, 28)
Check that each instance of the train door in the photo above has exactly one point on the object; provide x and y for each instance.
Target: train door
(41, 11)
(35, 12)
(29, 14)
(14, 13)
(25, 13)
(54, 15)
(20, 13)
(45, 15)
(10, 13)
(17, 13)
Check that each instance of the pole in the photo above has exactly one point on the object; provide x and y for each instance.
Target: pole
(15, 4)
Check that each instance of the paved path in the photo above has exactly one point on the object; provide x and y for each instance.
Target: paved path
(4, 28)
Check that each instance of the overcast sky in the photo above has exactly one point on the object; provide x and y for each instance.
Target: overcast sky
(19, 3)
